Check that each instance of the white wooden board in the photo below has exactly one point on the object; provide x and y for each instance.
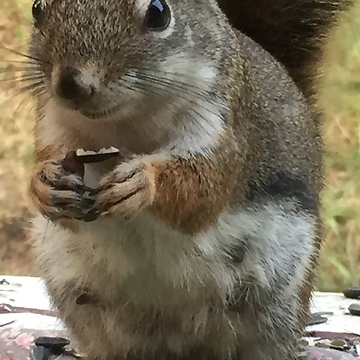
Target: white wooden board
(30, 293)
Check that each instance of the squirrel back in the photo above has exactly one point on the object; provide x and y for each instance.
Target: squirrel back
(293, 31)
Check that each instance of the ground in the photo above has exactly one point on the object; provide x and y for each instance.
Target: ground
(340, 99)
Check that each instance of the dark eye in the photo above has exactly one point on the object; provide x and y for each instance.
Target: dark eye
(37, 10)
(158, 15)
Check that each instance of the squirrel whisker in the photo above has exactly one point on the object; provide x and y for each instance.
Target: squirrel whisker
(23, 78)
(30, 88)
(173, 88)
(19, 53)
(27, 63)
(175, 97)
(185, 76)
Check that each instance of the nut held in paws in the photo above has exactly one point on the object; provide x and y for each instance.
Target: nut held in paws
(72, 165)
(103, 154)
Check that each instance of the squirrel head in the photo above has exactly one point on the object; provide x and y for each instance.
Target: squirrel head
(100, 57)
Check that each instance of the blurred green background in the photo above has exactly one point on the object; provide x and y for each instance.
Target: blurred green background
(339, 97)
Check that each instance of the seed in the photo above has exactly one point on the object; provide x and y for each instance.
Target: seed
(354, 309)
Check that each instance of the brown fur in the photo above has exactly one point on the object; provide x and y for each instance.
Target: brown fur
(205, 193)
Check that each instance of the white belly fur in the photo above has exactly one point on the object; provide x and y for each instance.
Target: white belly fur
(145, 259)
(157, 267)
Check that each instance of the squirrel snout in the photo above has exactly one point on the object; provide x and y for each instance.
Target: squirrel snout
(70, 86)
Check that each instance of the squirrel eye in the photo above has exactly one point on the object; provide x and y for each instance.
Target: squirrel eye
(158, 15)
(37, 10)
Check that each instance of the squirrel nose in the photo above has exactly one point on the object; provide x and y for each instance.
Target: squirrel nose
(71, 88)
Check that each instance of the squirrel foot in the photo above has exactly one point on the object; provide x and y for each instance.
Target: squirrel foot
(126, 190)
(59, 194)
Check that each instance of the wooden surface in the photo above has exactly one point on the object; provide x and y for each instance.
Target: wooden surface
(30, 292)
(28, 298)
(341, 320)
(25, 292)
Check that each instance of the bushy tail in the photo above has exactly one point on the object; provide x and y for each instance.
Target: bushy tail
(293, 31)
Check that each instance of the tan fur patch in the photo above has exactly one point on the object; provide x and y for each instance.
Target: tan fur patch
(48, 170)
(192, 192)
(69, 224)
(39, 192)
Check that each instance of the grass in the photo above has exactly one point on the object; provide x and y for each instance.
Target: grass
(16, 123)
(340, 99)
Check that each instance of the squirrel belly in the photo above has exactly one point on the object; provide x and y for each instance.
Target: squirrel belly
(203, 243)
(154, 292)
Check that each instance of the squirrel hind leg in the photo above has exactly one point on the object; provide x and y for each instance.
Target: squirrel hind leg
(269, 305)
(269, 333)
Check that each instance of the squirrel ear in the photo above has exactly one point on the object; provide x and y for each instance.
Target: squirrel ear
(158, 15)
(37, 11)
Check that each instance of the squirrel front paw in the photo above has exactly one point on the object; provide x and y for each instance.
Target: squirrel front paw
(59, 194)
(126, 190)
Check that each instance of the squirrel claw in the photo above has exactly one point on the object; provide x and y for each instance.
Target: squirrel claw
(96, 191)
(90, 216)
(58, 194)
(125, 191)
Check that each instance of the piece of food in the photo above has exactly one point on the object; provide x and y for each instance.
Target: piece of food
(354, 309)
(75, 160)
(87, 157)
(72, 165)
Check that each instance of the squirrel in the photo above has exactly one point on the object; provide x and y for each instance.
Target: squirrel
(202, 241)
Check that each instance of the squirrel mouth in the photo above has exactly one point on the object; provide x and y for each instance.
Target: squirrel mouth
(102, 114)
